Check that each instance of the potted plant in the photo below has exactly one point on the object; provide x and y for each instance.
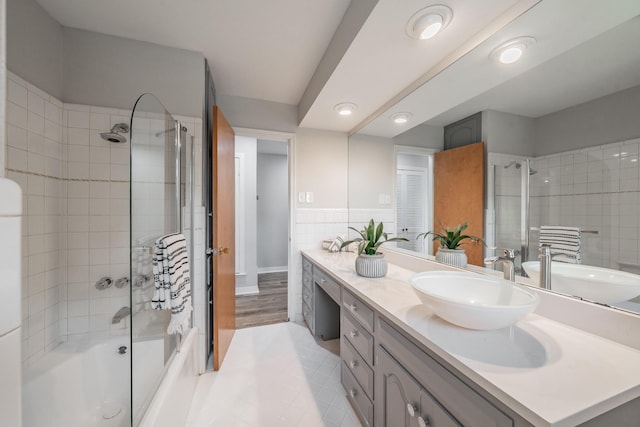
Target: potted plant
(371, 263)
(450, 240)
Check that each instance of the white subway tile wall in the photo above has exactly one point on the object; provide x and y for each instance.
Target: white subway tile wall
(76, 214)
(35, 156)
(597, 189)
(312, 227)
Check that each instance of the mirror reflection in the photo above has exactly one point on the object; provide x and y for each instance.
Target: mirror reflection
(562, 140)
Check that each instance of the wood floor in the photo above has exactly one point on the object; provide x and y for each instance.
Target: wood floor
(269, 306)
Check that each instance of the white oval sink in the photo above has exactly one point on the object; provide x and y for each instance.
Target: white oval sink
(474, 301)
(603, 285)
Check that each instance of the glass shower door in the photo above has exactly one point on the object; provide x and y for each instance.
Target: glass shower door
(160, 193)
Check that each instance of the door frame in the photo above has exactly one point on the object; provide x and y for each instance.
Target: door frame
(290, 139)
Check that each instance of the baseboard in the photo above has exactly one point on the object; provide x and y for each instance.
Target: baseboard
(278, 269)
(247, 290)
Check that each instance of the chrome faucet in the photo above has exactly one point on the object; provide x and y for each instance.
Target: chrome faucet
(121, 314)
(507, 259)
(545, 256)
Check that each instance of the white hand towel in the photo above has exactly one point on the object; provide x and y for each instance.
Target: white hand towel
(172, 281)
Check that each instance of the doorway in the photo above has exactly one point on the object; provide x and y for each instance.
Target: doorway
(414, 196)
(262, 229)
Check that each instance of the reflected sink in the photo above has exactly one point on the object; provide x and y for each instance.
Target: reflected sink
(474, 301)
(603, 285)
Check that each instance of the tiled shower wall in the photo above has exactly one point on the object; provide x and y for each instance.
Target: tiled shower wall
(76, 214)
(35, 159)
(597, 189)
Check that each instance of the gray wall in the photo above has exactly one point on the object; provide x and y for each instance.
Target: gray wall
(424, 135)
(35, 46)
(273, 211)
(258, 114)
(609, 119)
(3, 84)
(113, 72)
(84, 67)
(508, 133)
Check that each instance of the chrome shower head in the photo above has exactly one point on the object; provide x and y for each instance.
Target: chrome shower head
(114, 135)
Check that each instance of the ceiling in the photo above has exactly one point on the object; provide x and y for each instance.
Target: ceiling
(316, 54)
(270, 50)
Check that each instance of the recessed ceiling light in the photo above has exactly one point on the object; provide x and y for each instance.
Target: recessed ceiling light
(401, 118)
(345, 108)
(509, 52)
(429, 21)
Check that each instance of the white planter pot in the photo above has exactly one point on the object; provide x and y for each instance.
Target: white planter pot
(455, 257)
(371, 265)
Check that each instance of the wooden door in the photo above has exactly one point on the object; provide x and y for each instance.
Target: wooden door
(223, 238)
(459, 194)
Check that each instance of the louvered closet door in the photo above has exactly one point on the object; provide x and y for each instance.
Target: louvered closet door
(411, 193)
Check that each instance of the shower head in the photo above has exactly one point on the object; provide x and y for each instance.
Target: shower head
(518, 165)
(114, 135)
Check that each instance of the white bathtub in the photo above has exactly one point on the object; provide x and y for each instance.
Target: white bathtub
(79, 385)
(88, 385)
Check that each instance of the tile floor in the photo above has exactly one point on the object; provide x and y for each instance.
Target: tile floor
(274, 375)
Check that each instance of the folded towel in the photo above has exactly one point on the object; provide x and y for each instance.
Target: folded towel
(565, 241)
(336, 245)
(172, 281)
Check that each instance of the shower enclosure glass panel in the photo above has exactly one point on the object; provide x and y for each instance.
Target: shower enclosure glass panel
(161, 155)
(512, 208)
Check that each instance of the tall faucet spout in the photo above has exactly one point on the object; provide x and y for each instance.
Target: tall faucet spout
(545, 266)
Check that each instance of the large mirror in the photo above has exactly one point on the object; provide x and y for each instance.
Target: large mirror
(562, 134)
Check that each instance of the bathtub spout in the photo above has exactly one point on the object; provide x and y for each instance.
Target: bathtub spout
(121, 314)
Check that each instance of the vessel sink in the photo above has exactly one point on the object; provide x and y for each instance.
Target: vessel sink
(603, 285)
(474, 301)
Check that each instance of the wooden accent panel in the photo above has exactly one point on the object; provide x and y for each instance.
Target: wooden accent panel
(459, 194)
(224, 270)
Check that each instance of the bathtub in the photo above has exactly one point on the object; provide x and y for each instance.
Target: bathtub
(79, 385)
(88, 384)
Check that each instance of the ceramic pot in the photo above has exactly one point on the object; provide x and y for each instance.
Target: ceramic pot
(455, 257)
(371, 265)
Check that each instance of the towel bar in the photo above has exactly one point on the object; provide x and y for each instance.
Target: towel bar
(582, 231)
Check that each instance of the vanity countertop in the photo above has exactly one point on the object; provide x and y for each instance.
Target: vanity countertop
(550, 373)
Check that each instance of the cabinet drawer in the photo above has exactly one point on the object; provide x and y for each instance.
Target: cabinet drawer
(307, 296)
(307, 267)
(357, 336)
(360, 370)
(307, 314)
(357, 397)
(330, 286)
(307, 281)
(460, 400)
(358, 309)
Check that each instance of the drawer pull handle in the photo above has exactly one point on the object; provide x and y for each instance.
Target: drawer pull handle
(423, 422)
(352, 307)
(323, 281)
(354, 334)
(353, 392)
(353, 364)
(411, 409)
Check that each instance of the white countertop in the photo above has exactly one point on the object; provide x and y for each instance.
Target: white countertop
(549, 373)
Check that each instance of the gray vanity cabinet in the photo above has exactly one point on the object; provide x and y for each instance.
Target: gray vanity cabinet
(389, 379)
(356, 354)
(320, 301)
(401, 401)
(444, 398)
